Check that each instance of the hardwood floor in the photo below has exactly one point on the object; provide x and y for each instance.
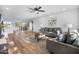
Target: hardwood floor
(25, 43)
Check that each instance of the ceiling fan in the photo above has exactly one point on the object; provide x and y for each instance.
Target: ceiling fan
(36, 9)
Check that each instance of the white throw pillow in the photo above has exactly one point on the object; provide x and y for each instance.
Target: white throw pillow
(76, 43)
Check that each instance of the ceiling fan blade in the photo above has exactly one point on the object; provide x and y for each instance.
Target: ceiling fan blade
(31, 8)
(41, 11)
(39, 7)
(32, 11)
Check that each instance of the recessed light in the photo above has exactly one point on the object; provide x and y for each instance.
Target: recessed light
(7, 8)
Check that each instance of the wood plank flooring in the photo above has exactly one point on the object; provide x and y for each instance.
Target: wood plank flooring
(23, 43)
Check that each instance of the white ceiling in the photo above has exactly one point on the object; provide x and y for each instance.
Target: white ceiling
(21, 12)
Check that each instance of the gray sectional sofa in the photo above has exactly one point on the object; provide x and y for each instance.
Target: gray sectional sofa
(57, 47)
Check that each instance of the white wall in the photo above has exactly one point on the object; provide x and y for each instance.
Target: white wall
(64, 18)
(70, 17)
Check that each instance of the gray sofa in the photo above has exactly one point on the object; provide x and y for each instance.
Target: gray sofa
(50, 32)
(57, 47)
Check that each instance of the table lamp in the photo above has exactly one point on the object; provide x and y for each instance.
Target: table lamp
(69, 27)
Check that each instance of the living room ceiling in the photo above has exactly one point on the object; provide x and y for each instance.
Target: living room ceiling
(21, 12)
